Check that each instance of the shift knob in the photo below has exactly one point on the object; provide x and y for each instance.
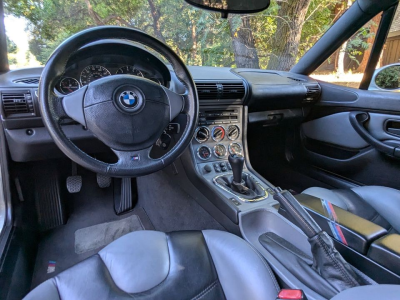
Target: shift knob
(237, 162)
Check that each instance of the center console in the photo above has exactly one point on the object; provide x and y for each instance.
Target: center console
(220, 136)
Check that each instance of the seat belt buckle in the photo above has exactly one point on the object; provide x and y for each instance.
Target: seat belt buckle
(287, 294)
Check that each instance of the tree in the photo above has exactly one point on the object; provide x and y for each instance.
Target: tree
(243, 42)
(12, 49)
(285, 44)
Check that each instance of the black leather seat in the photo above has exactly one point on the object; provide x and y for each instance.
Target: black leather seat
(378, 204)
(153, 265)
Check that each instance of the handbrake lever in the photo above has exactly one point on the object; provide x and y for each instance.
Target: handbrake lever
(327, 261)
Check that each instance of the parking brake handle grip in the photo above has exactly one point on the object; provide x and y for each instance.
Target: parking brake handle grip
(297, 212)
(327, 261)
(357, 120)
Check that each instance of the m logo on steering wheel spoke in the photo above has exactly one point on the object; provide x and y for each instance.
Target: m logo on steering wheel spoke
(129, 99)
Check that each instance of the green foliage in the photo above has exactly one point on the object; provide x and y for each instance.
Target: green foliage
(12, 49)
(199, 37)
(389, 78)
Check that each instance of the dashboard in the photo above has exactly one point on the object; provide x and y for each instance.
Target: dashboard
(225, 94)
(90, 64)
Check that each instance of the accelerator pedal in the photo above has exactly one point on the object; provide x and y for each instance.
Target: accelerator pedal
(103, 181)
(74, 182)
(125, 195)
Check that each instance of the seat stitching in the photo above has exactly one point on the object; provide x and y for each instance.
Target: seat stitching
(267, 267)
(206, 290)
(337, 266)
(56, 286)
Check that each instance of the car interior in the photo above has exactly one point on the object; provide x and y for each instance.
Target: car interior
(128, 174)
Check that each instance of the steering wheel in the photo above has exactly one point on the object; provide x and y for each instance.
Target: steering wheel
(125, 112)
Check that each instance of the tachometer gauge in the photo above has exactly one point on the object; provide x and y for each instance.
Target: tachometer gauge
(131, 70)
(92, 73)
(69, 85)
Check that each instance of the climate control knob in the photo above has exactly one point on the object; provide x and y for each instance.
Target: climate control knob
(218, 133)
(233, 132)
(202, 134)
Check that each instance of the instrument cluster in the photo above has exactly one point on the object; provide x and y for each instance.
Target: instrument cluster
(90, 73)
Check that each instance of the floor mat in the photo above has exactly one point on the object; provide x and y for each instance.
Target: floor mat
(91, 206)
(100, 235)
(169, 207)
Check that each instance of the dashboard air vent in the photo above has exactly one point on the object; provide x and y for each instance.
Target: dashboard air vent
(27, 80)
(17, 103)
(232, 91)
(313, 93)
(207, 91)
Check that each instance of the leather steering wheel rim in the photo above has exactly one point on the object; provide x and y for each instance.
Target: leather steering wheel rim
(130, 163)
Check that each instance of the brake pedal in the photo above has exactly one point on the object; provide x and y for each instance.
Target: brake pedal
(74, 182)
(125, 196)
(103, 181)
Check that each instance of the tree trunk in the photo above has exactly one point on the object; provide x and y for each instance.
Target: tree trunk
(196, 56)
(155, 13)
(373, 28)
(243, 43)
(93, 14)
(285, 44)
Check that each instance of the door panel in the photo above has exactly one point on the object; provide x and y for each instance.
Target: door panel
(330, 142)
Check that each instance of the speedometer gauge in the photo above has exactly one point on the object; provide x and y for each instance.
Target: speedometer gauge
(92, 73)
(69, 85)
(131, 70)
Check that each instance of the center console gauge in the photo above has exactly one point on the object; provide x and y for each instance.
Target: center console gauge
(204, 152)
(202, 134)
(218, 133)
(235, 148)
(233, 132)
(220, 151)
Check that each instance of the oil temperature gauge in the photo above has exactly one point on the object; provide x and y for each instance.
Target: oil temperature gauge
(204, 152)
(220, 151)
(235, 148)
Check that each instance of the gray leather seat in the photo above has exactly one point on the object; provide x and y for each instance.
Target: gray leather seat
(378, 204)
(180, 265)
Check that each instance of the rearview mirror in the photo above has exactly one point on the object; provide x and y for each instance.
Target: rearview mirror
(386, 78)
(226, 7)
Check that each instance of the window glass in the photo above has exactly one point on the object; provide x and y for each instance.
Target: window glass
(273, 39)
(347, 64)
(387, 73)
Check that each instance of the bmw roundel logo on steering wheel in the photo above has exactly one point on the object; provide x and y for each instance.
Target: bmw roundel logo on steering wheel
(129, 99)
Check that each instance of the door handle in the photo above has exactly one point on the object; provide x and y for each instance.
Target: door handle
(393, 127)
(357, 120)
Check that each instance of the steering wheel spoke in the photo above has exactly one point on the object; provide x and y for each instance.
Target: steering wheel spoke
(73, 105)
(136, 160)
(176, 103)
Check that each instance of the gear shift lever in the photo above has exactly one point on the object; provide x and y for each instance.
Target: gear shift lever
(237, 162)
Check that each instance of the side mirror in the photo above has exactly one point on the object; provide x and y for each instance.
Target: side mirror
(226, 7)
(386, 78)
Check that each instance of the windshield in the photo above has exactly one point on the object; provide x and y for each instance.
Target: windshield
(273, 39)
